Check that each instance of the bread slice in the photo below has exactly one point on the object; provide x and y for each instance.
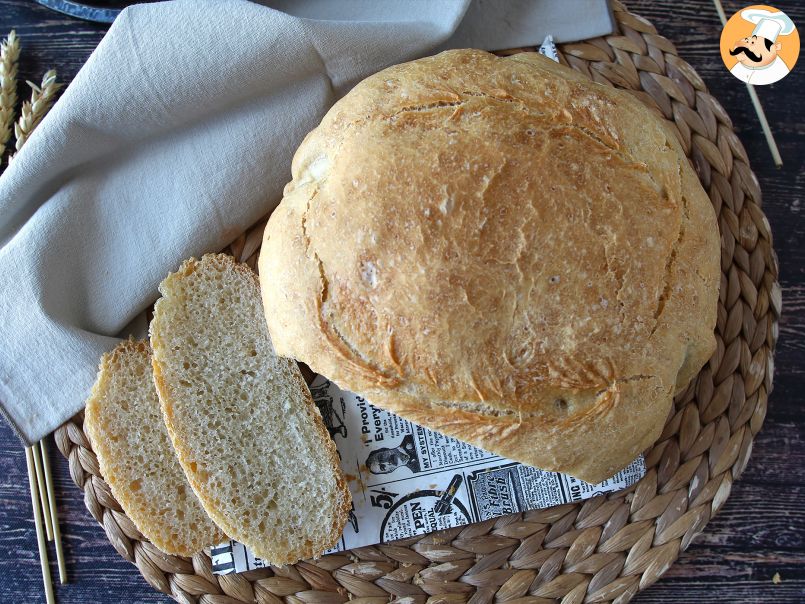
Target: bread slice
(124, 423)
(242, 420)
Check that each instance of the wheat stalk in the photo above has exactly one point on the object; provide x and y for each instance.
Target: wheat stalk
(9, 55)
(33, 111)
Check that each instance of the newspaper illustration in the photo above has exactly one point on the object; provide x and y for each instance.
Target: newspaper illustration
(406, 480)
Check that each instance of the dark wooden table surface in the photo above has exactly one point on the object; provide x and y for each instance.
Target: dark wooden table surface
(761, 530)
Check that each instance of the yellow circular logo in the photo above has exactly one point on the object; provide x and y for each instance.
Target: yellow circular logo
(760, 45)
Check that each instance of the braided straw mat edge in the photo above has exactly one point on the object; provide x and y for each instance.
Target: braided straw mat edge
(607, 548)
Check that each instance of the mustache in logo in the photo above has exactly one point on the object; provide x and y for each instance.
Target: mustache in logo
(750, 55)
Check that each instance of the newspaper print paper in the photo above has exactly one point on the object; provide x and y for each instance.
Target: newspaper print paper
(406, 480)
(548, 48)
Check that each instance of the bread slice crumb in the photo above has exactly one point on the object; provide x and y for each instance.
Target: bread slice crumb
(241, 419)
(124, 423)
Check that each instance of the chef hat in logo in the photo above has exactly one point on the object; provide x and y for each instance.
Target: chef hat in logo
(769, 25)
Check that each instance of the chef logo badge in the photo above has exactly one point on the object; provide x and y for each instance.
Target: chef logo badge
(760, 45)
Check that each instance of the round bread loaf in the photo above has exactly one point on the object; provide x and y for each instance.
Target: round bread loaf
(502, 251)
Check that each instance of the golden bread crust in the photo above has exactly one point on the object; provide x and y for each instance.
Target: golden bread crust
(501, 250)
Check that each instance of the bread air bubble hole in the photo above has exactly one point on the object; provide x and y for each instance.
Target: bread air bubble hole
(561, 405)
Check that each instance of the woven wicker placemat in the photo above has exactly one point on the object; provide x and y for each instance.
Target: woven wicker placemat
(607, 548)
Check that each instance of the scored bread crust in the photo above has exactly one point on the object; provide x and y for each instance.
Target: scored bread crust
(192, 451)
(125, 455)
(500, 250)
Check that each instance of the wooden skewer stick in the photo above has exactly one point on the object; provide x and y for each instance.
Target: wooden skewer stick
(54, 513)
(43, 494)
(761, 115)
(40, 531)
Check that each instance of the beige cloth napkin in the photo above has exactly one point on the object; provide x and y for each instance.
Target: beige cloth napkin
(174, 138)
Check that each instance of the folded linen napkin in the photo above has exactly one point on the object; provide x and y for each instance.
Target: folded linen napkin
(174, 138)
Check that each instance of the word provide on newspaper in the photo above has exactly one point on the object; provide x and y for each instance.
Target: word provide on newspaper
(406, 480)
